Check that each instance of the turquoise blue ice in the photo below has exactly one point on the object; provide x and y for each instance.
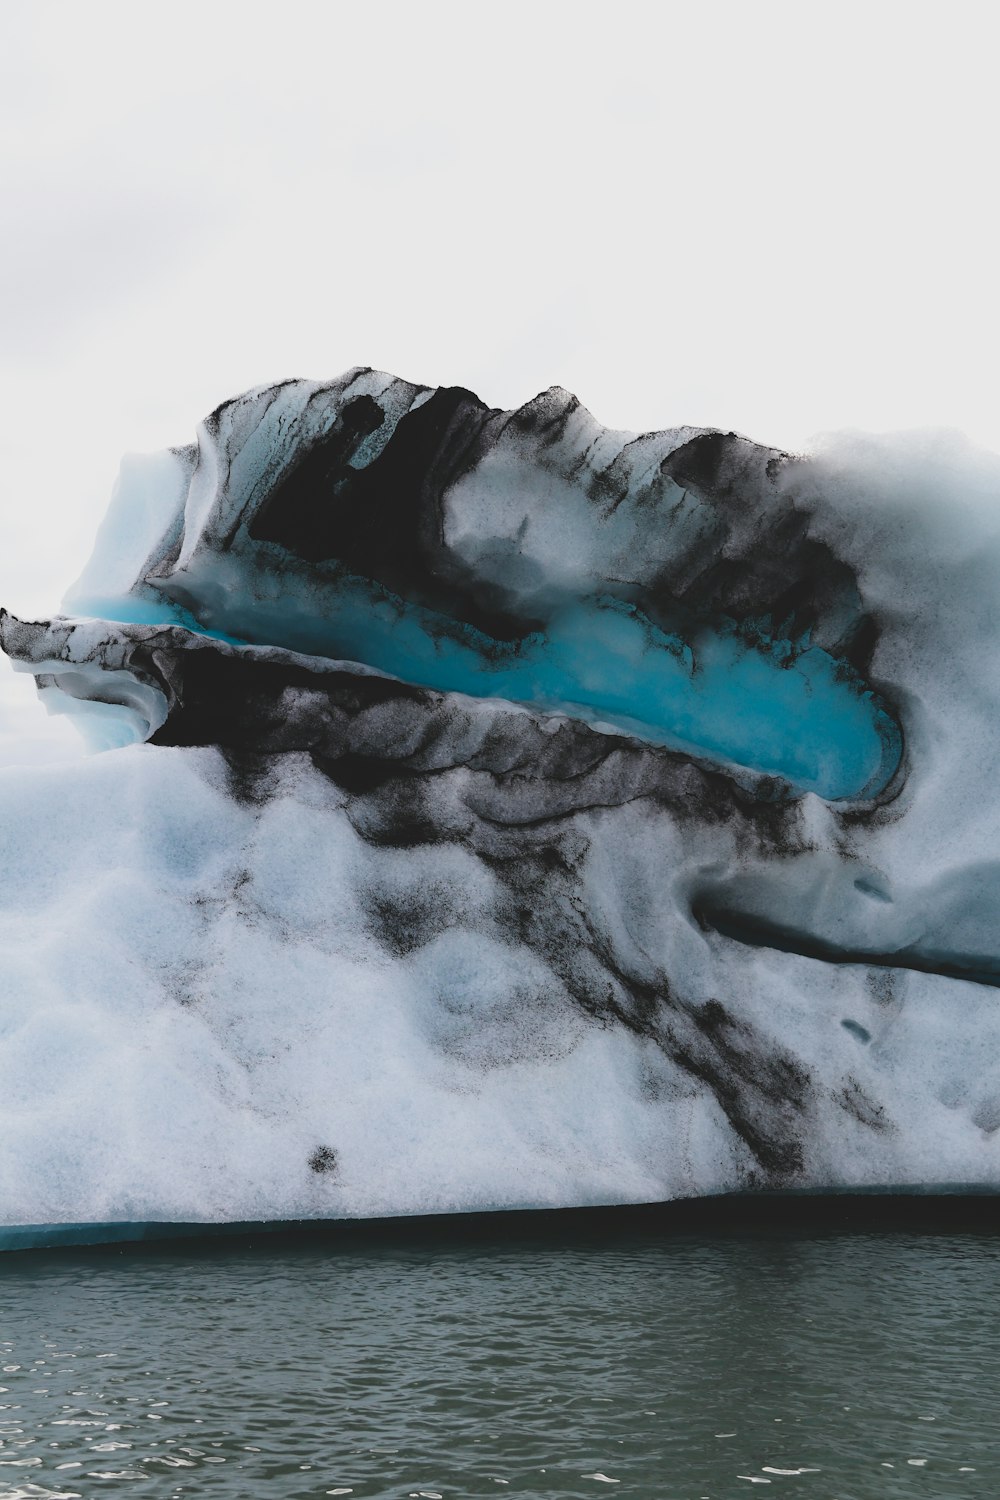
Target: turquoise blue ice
(791, 712)
(784, 708)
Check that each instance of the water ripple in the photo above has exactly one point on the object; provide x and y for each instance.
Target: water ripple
(689, 1367)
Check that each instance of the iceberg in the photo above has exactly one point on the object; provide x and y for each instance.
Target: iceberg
(499, 811)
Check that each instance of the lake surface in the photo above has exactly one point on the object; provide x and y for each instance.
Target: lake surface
(675, 1366)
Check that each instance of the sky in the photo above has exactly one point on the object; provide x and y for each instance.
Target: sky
(777, 218)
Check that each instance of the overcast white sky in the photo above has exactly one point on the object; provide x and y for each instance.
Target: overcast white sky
(774, 217)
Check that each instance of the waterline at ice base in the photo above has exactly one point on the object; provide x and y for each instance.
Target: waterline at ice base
(496, 811)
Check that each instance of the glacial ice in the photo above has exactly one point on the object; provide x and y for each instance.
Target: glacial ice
(506, 812)
(565, 633)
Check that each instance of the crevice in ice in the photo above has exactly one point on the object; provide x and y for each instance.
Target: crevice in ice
(793, 713)
(828, 907)
(780, 708)
(759, 931)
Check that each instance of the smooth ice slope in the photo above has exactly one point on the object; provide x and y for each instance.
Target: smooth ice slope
(476, 856)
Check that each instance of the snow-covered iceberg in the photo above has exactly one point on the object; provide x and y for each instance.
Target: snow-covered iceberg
(507, 812)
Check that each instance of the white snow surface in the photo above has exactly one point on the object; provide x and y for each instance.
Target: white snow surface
(193, 982)
(192, 1008)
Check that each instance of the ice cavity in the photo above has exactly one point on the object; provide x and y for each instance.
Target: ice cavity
(185, 543)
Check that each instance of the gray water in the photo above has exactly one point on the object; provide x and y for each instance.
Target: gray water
(674, 1366)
